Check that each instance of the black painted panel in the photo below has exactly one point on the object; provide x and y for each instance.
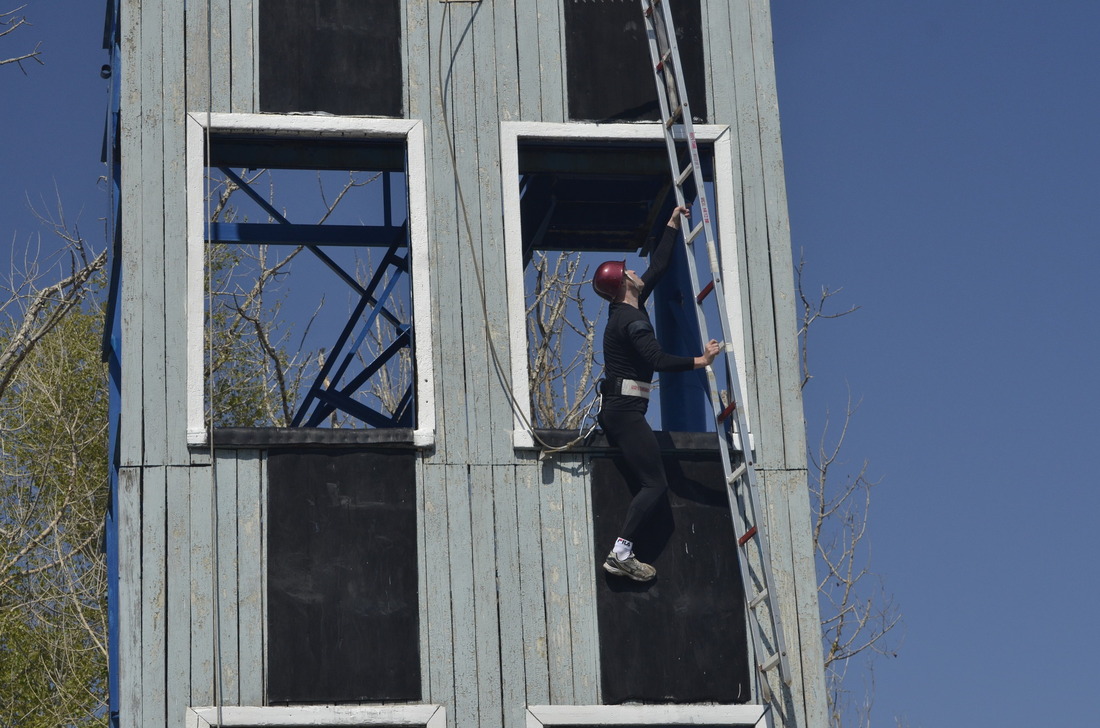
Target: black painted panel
(343, 605)
(680, 638)
(609, 74)
(339, 56)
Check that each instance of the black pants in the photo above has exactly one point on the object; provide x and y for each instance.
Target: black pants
(629, 431)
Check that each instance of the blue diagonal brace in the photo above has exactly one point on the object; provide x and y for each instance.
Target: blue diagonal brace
(270, 210)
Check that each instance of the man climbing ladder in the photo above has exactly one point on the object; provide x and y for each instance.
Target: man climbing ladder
(631, 355)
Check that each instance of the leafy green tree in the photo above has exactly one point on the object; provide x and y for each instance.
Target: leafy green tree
(53, 491)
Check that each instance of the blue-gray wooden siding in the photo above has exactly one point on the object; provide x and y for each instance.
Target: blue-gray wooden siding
(503, 525)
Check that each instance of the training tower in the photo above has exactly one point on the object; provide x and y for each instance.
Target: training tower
(426, 562)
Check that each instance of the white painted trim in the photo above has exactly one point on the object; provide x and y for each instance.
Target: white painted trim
(411, 131)
(539, 716)
(415, 716)
(511, 134)
(726, 207)
(416, 184)
(196, 292)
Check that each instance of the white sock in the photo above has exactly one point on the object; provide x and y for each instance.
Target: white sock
(623, 549)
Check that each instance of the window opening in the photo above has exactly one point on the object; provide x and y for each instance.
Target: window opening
(282, 342)
(584, 194)
(309, 254)
(581, 204)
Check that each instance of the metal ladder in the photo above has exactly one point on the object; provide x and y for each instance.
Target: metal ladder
(729, 417)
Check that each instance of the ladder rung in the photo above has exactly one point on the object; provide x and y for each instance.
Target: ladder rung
(758, 599)
(693, 234)
(769, 663)
(675, 115)
(727, 411)
(737, 473)
(705, 292)
(685, 174)
(748, 535)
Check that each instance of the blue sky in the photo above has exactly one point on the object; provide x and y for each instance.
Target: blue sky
(943, 169)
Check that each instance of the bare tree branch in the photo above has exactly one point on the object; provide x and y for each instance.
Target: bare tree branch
(37, 308)
(561, 342)
(9, 23)
(858, 616)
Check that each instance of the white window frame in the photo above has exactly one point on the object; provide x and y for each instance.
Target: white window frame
(512, 134)
(414, 716)
(539, 716)
(411, 132)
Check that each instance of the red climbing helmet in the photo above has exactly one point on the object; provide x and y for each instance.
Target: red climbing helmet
(609, 278)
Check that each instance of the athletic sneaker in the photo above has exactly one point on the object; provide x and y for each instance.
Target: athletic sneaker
(631, 567)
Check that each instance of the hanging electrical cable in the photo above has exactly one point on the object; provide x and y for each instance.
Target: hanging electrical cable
(215, 570)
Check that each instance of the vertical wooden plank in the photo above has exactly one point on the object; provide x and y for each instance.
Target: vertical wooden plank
(129, 597)
(506, 62)
(762, 388)
(559, 642)
(199, 55)
(419, 60)
(527, 47)
(263, 576)
(421, 98)
(718, 60)
(489, 113)
(179, 593)
(221, 50)
(582, 560)
(510, 588)
(175, 231)
(227, 611)
(131, 416)
(250, 567)
(153, 359)
(463, 20)
(434, 563)
(202, 586)
(552, 61)
(460, 539)
(154, 596)
(778, 533)
(533, 603)
(486, 596)
(449, 250)
(779, 240)
(242, 55)
(807, 649)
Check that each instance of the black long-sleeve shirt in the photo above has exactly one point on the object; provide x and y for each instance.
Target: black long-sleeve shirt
(630, 347)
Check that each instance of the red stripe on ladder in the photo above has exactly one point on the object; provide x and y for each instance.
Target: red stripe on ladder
(748, 534)
(705, 292)
(727, 411)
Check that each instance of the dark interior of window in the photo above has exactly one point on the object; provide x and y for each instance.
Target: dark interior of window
(609, 73)
(313, 56)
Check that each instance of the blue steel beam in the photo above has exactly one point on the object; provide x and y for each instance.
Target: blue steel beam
(329, 399)
(374, 236)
